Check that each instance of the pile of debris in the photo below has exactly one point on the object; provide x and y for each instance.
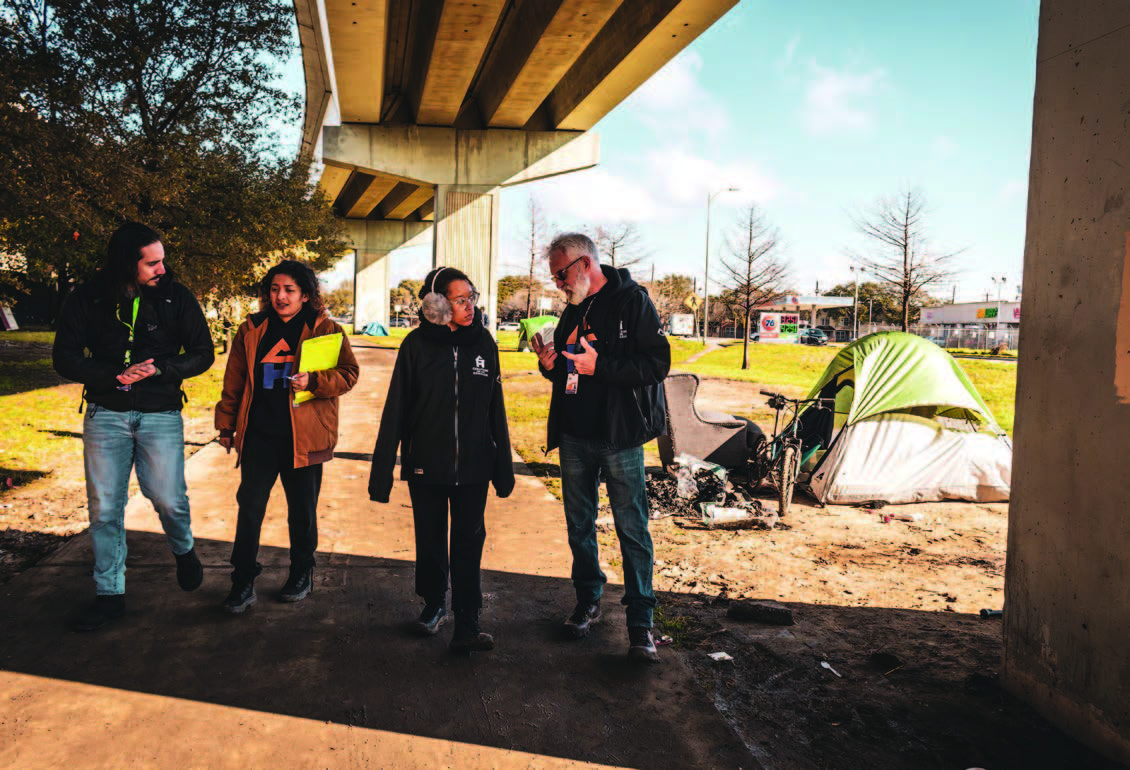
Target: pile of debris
(696, 489)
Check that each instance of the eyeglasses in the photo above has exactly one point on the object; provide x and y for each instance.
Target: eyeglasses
(563, 273)
(466, 302)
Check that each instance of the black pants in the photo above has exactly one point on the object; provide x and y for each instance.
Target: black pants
(265, 459)
(430, 503)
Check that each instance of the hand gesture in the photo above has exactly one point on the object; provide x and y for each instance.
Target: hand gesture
(300, 381)
(137, 372)
(547, 356)
(585, 361)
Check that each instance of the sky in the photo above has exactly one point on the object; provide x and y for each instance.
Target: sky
(815, 110)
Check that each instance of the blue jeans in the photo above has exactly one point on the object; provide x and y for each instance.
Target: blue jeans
(584, 462)
(113, 443)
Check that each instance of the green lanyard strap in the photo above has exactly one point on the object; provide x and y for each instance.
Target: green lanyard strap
(129, 325)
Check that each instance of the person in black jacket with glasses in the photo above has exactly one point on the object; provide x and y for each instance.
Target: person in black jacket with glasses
(445, 412)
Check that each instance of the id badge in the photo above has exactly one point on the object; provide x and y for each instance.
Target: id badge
(571, 383)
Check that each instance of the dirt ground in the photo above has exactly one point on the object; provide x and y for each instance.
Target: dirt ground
(886, 664)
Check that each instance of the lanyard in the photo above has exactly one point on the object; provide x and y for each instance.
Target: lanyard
(129, 325)
(572, 366)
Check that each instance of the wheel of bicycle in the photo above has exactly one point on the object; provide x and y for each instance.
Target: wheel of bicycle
(786, 478)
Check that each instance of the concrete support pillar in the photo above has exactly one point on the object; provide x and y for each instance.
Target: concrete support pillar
(373, 242)
(1067, 584)
(466, 237)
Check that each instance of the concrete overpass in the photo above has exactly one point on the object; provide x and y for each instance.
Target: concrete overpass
(423, 110)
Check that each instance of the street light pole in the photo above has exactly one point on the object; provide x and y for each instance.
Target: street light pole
(706, 278)
(999, 282)
(855, 303)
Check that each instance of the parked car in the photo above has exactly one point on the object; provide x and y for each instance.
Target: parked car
(509, 326)
(401, 323)
(812, 337)
(755, 335)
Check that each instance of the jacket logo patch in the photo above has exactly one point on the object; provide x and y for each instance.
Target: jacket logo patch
(152, 327)
(418, 471)
(623, 331)
(480, 367)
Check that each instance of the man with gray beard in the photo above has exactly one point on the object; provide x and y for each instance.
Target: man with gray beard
(607, 362)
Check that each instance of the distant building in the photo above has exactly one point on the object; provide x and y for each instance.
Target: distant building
(973, 314)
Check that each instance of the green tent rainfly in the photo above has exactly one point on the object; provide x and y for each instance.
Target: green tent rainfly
(908, 426)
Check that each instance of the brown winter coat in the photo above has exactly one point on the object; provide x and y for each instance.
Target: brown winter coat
(313, 423)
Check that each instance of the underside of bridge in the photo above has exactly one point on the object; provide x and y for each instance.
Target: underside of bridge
(422, 110)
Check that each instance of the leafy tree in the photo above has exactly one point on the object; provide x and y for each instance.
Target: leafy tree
(509, 285)
(754, 269)
(155, 111)
(879, 303)
(339, 301)
(406, 294)
(900, 254)
(669, 294)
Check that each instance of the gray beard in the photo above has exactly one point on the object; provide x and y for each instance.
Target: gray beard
(581, 290)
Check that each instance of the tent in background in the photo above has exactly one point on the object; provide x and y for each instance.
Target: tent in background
(908, 427)
(374, 329)
(528, 327)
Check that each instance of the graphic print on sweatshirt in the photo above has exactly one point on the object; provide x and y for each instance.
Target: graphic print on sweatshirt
(277, 365)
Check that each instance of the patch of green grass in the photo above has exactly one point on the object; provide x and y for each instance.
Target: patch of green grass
(996, 382)
(792, 368)
(675, 626)
(26, 336)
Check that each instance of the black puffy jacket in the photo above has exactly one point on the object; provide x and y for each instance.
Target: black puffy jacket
(633, 359)
(445, 412)
(170, 329)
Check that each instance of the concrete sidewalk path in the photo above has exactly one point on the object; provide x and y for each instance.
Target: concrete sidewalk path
(337, 680)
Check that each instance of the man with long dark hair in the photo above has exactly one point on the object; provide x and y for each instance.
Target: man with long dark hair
(145, 334)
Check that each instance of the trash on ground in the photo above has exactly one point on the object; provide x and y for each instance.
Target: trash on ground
(985, 614)
(827, 665)
(762, 612)
(720, 655)
(663, 641)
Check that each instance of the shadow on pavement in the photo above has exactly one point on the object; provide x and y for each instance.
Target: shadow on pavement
(344, 655)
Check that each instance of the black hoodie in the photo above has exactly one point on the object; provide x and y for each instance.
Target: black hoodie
(633, 359)
(445, 412)
(170, 328)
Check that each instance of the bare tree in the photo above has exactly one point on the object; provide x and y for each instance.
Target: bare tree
(620, 244)
(754, 268)
(901, 255)
(537, 233)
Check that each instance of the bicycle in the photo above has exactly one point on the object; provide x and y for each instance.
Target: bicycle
(779, 458)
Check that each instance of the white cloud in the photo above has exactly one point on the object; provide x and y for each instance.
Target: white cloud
(841, 101)
(674, 102)
(786, 59)
(596, 194)
(682, 178)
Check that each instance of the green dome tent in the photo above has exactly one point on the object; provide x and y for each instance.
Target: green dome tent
(528, 327)
(908, 426)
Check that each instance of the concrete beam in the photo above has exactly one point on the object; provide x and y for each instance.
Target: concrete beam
(333, 179)
(358, 35)
(1067, 580)
(537, 45)
(466, 28)
(373, 242)
(452, 156)
(318, 68)
(637, 41)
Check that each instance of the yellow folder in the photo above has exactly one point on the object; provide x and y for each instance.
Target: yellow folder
(318, 354)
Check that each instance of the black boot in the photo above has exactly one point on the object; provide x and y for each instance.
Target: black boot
(467, 636)
(190, 572)
(100, 612)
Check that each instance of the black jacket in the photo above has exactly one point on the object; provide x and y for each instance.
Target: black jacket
(170, 329)
(445, 412)
(633, 359)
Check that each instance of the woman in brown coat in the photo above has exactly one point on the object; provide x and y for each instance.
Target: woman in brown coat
(273, 436)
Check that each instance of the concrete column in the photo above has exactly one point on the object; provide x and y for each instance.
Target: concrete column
(466, 237)
(1067, 584)
(373, 242)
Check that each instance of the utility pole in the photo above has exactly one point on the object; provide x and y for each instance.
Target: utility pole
(855, 304)
(706, 277)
